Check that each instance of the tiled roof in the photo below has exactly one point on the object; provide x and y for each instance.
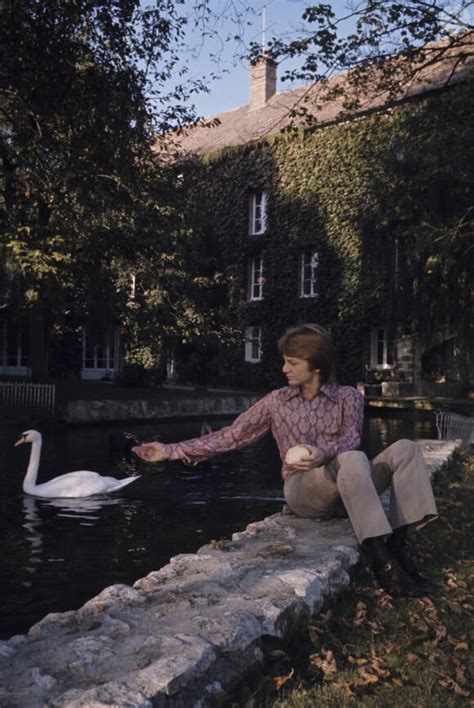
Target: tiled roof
(242, 125)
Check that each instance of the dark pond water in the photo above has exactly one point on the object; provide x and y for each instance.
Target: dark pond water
(57, 554)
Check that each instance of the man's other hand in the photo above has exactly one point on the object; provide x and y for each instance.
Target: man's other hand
(314, 458)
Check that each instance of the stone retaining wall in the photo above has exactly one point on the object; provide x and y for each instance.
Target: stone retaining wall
(107, 411)
(184, 634)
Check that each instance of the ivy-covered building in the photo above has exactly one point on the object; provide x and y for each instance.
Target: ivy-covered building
(363, 225)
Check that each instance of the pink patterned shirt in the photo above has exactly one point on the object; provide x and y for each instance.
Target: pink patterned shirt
(331, 421)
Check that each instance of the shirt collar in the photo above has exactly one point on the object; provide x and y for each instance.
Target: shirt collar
(328, 389)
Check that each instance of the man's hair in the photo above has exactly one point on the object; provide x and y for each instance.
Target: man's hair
(313, 343)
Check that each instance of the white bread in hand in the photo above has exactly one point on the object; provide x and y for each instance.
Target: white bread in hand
(296, 454)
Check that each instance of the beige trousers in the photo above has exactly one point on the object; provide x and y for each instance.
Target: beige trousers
(351, 485)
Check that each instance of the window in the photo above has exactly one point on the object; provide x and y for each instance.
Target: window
(14, 348)
(378, 348)
(257, 213)
(253, 344)
(171, 365)
(99, 353)
(308, 273)
(256, 280)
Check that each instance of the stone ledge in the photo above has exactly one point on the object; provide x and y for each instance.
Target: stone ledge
(185, 633)
(80, 412)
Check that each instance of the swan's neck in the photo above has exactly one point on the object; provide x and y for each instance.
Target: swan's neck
(32, 472)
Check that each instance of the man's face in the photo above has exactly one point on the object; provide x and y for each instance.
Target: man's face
(297, 371)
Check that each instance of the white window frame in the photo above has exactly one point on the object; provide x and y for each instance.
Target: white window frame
(253, 345)
(309, 265)
(256, 279)
(111, 368)
(378, 337)
(257, 213)
(17, 369)
(171, 365)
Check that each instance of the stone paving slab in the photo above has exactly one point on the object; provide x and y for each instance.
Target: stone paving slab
(183, 634)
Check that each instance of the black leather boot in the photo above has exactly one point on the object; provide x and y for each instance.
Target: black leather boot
(388, 571)
(397, 546)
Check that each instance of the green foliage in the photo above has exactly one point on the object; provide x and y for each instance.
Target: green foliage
(87, 201)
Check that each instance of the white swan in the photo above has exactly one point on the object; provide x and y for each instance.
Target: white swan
(74, 484)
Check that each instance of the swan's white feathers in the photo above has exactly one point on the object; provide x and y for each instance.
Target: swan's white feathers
(81, 483)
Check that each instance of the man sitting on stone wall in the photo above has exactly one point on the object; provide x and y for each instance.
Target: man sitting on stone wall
(331, 478)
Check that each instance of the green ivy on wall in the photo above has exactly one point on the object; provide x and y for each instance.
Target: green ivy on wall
(380, 198)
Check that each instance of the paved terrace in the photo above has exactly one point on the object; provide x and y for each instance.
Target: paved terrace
(186, 633)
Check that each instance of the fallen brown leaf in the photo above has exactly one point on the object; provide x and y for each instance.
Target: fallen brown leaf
(375, 627)
(451, 685)
(281, 680)
(361, 614)
(412, 657)
(419, 623)
(367, 676)
(359, 662)
(377, 667)
(389, 647)
(441, 631)
(427, 602)
(325, 662)
(384, 600)
(348, 689)
(452, 640)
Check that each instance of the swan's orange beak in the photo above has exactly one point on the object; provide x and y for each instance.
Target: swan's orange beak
(20, 441)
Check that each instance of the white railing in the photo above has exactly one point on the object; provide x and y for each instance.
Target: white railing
(452, 426)
(28, 397)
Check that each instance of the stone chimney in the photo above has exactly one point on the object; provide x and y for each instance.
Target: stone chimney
(262, 81)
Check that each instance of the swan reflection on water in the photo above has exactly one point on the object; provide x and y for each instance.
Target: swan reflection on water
(81, 508)
(33, 535)
(85, 510)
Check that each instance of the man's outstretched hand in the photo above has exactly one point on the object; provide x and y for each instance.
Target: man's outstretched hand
(151, 452)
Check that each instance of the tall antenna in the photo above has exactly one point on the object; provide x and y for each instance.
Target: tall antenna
(264, 27)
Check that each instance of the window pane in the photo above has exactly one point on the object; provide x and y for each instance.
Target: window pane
(24, 348)
(101, 356)
(380, 353)
(111, 350)
(255, 349)
(257, 213)
(256, 278)
(99, 350)
(380, 346)
(3, 343)
(309, 264)
(12, 344)
(253, 343)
